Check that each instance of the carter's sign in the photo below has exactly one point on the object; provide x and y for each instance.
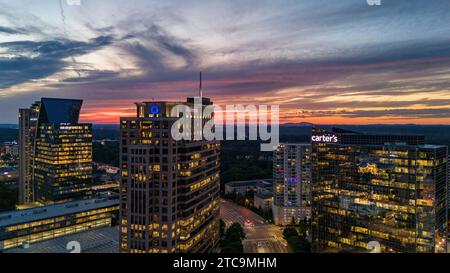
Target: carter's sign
(325, 138)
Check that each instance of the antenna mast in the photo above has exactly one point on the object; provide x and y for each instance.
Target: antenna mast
(200, 91)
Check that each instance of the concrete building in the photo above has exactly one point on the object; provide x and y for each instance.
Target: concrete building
(242, 187)
(11, 148)
(169, 188)
(292, 183)
(263, 201)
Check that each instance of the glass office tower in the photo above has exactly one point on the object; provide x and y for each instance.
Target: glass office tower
(57, 166)
(169, 188)
(292, 183)
(384, 188)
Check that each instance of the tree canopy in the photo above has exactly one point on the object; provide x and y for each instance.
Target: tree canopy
(231, 241)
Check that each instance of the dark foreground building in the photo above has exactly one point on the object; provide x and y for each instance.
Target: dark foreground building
(23, 227)
(169, 188)
(390, 189)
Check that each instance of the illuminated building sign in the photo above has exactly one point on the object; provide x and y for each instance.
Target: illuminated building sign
(154, 109)
(325, 138)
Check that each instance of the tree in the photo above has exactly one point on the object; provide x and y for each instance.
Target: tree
(222, 228)
(232, 240)
(107, 153)
(235, 232)
(115, 219)
(293, 221)
(6, 157)
(299, 244)
(304, 227)
(8, 198)
(290, 232)
(268, 215)
(250, 194)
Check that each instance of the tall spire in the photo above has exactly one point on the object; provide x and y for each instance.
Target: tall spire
(200, 91)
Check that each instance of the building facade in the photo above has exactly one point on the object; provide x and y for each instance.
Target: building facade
(263, 201)
(292, 183)
(28, 120)
(56, 153)
(169, 188)
(63, 163)
(448, 203)
(390, 189)
(242, 187)
(11, 148)
(23, 227)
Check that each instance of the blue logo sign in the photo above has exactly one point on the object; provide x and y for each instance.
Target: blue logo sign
(154, 110)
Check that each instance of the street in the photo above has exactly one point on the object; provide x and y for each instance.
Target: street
(261, 236)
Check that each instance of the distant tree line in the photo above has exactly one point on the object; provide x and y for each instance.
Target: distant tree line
(8, 135)
(243, 160)
(107, 153)
(9, 197)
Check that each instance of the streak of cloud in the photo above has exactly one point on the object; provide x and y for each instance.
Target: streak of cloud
(322, 61)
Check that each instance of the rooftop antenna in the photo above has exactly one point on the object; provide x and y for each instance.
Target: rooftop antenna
(200, 91)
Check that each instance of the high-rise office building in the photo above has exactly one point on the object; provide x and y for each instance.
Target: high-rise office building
(169, 188)
(448, 183)
(388, 189)
(448, 202)
(28, 120)
(292, 183)
(56, 151)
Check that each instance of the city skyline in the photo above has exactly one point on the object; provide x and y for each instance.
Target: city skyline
(343, 192)
(392, 66)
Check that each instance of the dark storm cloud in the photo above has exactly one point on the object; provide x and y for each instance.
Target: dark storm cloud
(415, 113)
(32, 60)
(390, 52)
(152, 58)
(92, 76)
(8, 30)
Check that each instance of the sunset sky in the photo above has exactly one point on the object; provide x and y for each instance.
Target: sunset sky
(322, 61)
